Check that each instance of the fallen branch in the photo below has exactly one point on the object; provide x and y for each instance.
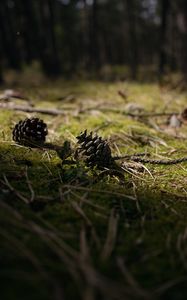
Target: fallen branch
(53, 111)
(154, 161)
(129, 156)
(126, 113)
(56, 112)
(159, 114)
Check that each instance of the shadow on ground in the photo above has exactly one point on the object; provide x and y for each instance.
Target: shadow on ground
(65, 234)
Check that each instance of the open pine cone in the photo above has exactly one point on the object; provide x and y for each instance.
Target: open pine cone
(30, 132)
(95, 149)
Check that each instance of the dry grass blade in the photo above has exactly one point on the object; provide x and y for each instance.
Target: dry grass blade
(88, 293)
(99, 191)
(19, 245)
(32, 197)
(182, 250)
(111, 236)
(140, 292)
(147, 170)
(88, 202)
(108, 288)
(13, 190)
(84, 248)
(168, 285)
(85, 257)
(133, 173)
(79, 210)
(66, 255)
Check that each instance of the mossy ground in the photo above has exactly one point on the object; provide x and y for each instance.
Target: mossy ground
(94, 239)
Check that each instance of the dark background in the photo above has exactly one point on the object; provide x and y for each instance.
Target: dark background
(67, 37)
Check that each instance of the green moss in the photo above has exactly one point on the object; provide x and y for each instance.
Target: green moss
(59, 249)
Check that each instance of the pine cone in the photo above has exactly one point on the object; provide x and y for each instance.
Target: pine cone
(96, 150)
(30, 132)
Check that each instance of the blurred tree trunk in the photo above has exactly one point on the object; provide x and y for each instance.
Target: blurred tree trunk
(165, 8)
(29, 26)
(94, 31)
(174, 46)
(182, 25)
(1, 60)
(1, 54)
(49, 58)
(52, 23)
(9, 37)
(1, 75)
(132, 36)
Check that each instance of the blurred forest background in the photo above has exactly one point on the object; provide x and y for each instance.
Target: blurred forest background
(68, 37)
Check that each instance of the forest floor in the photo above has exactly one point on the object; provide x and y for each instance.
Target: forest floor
(68, 233)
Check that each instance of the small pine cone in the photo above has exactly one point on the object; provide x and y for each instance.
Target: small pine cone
(96, 150)
(30, 132)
